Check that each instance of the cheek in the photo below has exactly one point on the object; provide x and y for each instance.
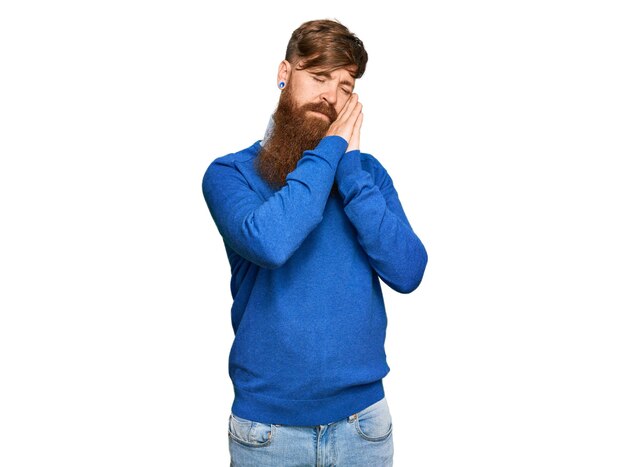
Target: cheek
(305, 96)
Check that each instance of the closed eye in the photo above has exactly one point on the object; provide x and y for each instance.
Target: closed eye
(318, 79)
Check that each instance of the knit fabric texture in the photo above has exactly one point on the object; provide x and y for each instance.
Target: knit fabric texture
(308, 310)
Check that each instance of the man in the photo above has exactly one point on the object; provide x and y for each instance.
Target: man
(310, 225)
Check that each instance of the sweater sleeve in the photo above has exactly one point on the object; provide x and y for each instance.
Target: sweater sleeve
(268, 232)
(383, 230)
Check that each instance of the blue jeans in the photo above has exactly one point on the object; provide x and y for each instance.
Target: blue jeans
(362, 439)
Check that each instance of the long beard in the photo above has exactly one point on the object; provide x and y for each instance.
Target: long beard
(294, 132)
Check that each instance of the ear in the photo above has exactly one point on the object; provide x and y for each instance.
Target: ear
(284, 72)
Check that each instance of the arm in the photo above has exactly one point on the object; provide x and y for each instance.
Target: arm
(268, 232)
(383, 230)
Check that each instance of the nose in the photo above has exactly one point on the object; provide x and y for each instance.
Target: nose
(329, 94)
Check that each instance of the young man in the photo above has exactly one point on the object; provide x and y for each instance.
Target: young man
(311, 225)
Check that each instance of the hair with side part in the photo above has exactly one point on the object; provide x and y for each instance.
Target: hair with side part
(328, 45)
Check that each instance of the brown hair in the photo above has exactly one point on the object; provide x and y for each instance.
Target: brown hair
(326, 44)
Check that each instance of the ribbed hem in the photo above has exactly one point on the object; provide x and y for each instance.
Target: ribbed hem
(266, 409)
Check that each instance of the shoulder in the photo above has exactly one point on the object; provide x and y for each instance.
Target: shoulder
(229, 162)
(244, 155)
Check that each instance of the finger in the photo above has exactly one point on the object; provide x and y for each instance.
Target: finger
(360, 117)
(356, 132)
(359, 122)
(356, 111)
(355, 138)
(348, 106)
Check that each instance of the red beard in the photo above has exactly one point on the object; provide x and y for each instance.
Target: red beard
(294, 132)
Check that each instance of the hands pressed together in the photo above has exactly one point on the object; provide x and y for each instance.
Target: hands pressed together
(348, 123)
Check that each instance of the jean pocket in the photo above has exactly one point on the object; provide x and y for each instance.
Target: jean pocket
(374, 422)
(250, 433)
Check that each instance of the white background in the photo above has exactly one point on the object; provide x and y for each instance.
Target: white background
(502, 125)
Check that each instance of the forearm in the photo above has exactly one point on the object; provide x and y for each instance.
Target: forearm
(268, 232)
(384, 232)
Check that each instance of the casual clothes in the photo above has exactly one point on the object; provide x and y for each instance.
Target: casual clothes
(308, 311)
(365, 438)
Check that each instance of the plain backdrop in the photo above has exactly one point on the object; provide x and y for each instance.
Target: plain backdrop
(502, 125)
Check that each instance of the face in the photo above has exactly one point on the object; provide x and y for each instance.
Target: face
(308, 104)
(328, 91)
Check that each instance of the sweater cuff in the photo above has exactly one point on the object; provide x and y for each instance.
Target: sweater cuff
(331, 148)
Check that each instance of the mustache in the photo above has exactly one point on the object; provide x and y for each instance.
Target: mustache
(320, 107)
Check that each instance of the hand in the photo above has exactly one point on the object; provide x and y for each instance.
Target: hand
(346, 120)
(355, 139)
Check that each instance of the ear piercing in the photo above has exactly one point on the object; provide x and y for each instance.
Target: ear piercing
(281, 84)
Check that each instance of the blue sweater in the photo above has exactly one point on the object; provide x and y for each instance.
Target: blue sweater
(308, 311)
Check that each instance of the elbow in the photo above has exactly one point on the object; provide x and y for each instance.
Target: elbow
(271, 263)
(413, 278)
(261, 256)
(407, 287)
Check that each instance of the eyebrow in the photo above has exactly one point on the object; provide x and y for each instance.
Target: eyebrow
(326, 74)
